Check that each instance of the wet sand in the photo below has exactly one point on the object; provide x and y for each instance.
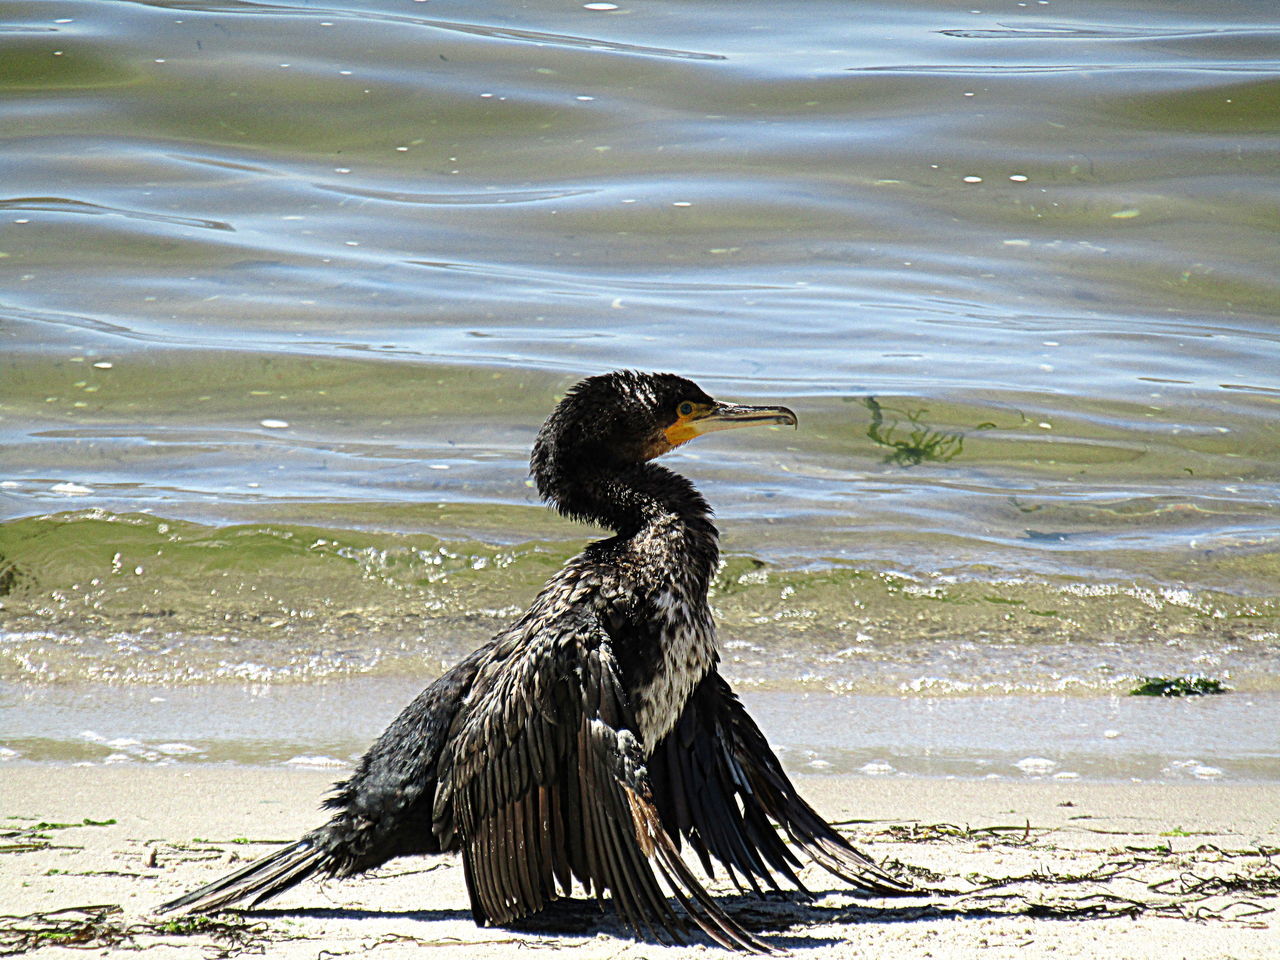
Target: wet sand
(1017, 869)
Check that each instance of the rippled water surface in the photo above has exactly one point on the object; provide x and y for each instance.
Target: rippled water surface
(287, 288)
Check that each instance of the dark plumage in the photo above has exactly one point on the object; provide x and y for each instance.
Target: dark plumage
(594, 736)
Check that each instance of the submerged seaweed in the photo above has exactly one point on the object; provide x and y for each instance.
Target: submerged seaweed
(920, 445)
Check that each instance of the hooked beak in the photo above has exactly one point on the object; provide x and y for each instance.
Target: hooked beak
(730, 416)
(726, 416)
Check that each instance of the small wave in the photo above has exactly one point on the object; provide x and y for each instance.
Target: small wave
(566, 40)
(455, 199)
(1020, 69)
(64, 205)
(487, 31)
(1075, 31)
(591, 283)
(224, 164)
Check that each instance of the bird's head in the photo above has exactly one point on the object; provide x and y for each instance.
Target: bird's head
(624, 418)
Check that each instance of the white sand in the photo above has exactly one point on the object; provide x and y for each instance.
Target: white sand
(1118, 849)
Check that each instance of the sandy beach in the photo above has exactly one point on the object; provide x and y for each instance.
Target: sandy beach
(1015, 869)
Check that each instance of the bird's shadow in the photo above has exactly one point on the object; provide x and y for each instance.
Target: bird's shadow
(780, 917)
(352, 913)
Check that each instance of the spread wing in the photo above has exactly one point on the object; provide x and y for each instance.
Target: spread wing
(545, 781)
(719, 786)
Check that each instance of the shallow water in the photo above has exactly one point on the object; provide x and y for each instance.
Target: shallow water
(1006, 737)
(286, 289)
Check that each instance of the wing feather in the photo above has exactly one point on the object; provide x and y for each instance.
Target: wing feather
(720, 788)
(544, 781)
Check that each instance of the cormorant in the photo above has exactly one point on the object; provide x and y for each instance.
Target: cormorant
(594, 736)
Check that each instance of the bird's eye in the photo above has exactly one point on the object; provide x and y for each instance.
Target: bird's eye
(685, 409)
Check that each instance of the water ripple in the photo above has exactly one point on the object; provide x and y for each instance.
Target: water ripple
(1078, 31)
(592, 282)
(1055, 251)
(1018, 69)
(65, 205)
(487, 31)
(494, 197)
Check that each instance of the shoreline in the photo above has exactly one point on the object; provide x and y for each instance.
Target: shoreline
(1016, 738)
(1145, 870)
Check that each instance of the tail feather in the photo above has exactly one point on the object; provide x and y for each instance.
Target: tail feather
(257, 881)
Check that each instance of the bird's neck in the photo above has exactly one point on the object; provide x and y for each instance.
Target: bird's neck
(642, 502)
(661, 563)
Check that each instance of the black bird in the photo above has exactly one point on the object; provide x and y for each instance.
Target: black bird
(594, 736)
